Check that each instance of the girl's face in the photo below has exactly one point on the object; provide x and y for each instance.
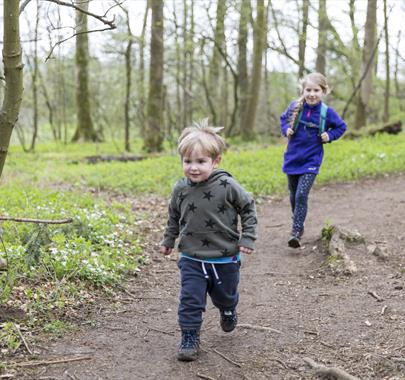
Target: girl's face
(313, 93)
(198, 166)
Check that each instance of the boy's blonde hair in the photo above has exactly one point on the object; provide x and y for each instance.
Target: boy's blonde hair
(201, 136)
(316, 78)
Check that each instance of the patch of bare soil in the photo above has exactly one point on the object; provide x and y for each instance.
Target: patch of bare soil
(355, 323)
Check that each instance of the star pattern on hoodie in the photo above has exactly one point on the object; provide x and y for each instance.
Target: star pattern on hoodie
(192, 207)
(209, 223)
(223, 182)
(182, 222)
(205, 242)
(208, 195)
(221, 208)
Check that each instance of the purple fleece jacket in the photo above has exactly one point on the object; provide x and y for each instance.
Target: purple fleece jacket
(304, 153)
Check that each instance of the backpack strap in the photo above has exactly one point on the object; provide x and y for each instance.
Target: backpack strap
(322, 118)
(297, 120)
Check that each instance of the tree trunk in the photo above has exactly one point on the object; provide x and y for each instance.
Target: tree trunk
(243, 79)
(35, 84)
(215, 64)
(387, 67)
(141, 89)
(396, 80)
(321, 49)
(85, 130)
(13, 74)
(128, 83)
(248, 131)
(368, 52)
(154, 136)
(302, 43)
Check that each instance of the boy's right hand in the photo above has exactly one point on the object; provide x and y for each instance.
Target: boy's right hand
(290, 132)
(166, 250)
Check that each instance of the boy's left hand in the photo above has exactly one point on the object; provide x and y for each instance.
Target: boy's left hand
(325, 137)
(246, 250)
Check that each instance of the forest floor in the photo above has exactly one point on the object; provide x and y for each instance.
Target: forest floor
(334, 319)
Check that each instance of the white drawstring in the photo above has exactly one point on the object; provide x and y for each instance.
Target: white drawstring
(204, 270)
(219, 282)
(216, 274)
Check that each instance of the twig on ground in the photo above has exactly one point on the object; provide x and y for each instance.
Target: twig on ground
(311, 332)
(161, 331)
(280, 362)
(22, 338)
(7, 376)
(260, 328)
(326, 344)
(375, 295)
(338, 373)
(35, 363)
(29, 220)
(383, 310)
(126, 291)
(226, 358)
(201, 376)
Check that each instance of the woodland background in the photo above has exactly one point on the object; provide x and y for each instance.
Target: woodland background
(116, 71)
(89, 86)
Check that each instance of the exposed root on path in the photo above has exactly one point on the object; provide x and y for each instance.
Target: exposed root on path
(331, 373)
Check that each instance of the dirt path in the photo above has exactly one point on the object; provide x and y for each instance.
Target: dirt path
(330, 319)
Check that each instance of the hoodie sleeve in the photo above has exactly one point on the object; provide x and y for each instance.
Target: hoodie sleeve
(285, 119)
(245, 206)
(335, 126)
(172, 227)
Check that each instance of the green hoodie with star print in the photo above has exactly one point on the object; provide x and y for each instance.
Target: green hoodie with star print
(206, 217)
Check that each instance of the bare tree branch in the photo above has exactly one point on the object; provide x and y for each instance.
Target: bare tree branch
(103, 19)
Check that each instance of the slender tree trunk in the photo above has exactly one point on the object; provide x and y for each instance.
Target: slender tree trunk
(179, 104)
(128, 82)
(368, 50)
(13, 74)
(248, 131)
(48, 105)
(141, 89)
(154, 136)
(302, 43)
(85, 129)
(321, 49)
(243, 79)
(215, 64)
(185, 65)
(396, 80)
(35, 84)
(191, 66)
(387, 67)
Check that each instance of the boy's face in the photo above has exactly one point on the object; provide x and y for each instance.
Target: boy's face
(198, 166)
(312, 93)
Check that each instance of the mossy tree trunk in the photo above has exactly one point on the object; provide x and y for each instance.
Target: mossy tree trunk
(321, 49)
(13, 74)
(248, 131)
(243, 78)
(85, 130)
(154, 134)
(367, 68)
(302, 39)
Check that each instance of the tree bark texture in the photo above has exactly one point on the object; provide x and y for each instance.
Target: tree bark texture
(387, 67)
(321, 49)
(13, 74)
(154, 134)
(85, 130)
(214, 76)
(248, 131)
(302, 38)
(243, 78)
(368, 51)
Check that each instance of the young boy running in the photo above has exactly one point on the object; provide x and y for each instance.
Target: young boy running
(204, 211)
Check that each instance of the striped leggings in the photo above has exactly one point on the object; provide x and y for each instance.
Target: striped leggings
(299, 186)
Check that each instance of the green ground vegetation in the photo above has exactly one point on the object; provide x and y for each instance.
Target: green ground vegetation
(53, 269)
